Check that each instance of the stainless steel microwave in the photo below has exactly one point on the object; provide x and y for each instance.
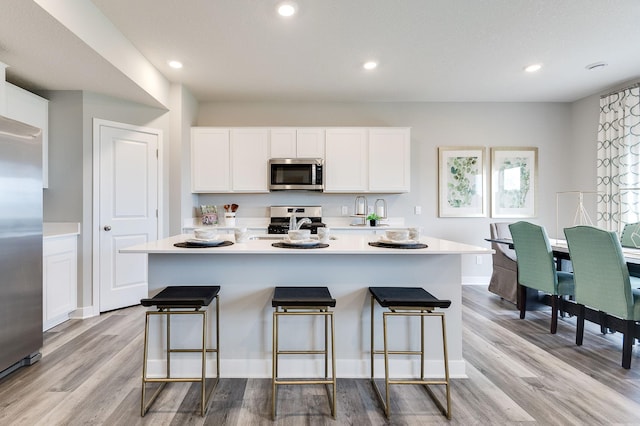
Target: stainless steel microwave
(287, 174)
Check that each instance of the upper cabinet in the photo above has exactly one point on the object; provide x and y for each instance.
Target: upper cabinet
(357, 159)
(289, 142)
(389, 159)
(229, 160)
(249, 158)
(31, 109)
(346, 160)
(210, 165)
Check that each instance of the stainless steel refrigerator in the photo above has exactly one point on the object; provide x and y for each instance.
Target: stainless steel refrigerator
(20, 245)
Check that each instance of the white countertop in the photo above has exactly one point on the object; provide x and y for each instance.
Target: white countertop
(60, 229)
(343, 244)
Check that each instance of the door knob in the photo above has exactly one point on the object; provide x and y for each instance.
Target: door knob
(107, 228)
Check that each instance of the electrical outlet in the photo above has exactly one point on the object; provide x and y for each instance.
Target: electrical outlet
(478, 260)
(345, 211)
(417, 210)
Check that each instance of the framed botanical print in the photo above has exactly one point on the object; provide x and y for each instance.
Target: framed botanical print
(461, 182)
(514, 180)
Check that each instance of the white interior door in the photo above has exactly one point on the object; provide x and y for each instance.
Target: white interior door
(128, 211)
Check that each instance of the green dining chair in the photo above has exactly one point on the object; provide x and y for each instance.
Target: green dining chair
(537, 268)
(630, 236)
(603, 283)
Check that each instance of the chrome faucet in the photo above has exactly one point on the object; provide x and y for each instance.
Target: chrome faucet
(302, 222)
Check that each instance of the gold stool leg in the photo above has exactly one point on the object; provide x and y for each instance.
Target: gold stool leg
(333, 365)
(387, 405)
(274, 364)
(204, 363)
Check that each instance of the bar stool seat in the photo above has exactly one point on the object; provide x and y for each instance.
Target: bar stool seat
(181, 300)
(408, 302)
(313, 301)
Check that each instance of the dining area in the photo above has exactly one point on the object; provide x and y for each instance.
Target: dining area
(592, 274)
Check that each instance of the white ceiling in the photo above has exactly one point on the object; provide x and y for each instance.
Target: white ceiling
(428, 50)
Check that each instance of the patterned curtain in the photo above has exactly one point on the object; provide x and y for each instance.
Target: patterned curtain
(618, 163)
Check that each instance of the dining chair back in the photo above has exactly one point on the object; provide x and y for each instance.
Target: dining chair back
(603, 284)
(504, 278)
(601, 273)
(537, 268)
(630, 236)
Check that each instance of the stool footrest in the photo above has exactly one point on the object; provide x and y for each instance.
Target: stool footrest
(305, 382)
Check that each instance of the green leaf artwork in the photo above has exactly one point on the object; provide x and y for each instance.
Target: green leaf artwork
(515, 183)
(461, 186)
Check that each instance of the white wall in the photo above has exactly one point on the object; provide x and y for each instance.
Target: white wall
(69, 197)
(547, 126)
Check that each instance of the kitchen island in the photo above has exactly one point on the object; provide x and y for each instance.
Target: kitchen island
(248, 272)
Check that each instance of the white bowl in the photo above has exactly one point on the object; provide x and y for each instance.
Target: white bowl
(205, 234)
(397, 235)
(299, 234)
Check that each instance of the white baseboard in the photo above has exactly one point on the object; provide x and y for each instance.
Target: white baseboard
(84, 312)
(479, 280)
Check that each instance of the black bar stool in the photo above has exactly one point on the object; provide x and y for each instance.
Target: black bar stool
(304, 301)
(182, 300)
(408, 302)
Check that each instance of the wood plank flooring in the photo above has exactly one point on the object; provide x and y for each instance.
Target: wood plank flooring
(518, 374)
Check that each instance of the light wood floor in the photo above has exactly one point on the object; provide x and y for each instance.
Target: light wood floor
(518, 374)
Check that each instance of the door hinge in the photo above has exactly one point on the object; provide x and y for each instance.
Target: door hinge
(156, 213)
(157, 153)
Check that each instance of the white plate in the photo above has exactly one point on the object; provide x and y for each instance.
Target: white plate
(399, 243)
(211, 243)
(301, 242)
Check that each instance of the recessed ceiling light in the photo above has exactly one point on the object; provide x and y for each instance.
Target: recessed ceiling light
(533, 68)
(175, 64)
(287, 8)
(596, 66)
(370, 65)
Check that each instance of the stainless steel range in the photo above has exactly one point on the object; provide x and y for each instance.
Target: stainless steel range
(281, 218)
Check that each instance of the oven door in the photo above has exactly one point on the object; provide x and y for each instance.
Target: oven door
(295, 174)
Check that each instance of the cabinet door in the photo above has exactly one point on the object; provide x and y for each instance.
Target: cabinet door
(283, 143)
(59, 270)
(389, 160)
(33, 110)
(249, 159)
(210, 155)
(346, 160)
(310, 143)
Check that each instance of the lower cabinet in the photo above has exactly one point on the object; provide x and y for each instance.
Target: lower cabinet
(59, 269)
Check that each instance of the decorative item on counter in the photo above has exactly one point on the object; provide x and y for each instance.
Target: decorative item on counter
(209, 215)
(324, 234)
(361, 205)
(241, 235)
(230, 214)
(380, 208)
(373, 219)
(414, 234)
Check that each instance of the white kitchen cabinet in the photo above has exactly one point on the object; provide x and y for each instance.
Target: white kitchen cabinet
(346, 163)
(288, 142)
(283, 142)
(24, 106)
(310, 143)
(249, 160)
(59, 270)
(389, 159)
(210, 155)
